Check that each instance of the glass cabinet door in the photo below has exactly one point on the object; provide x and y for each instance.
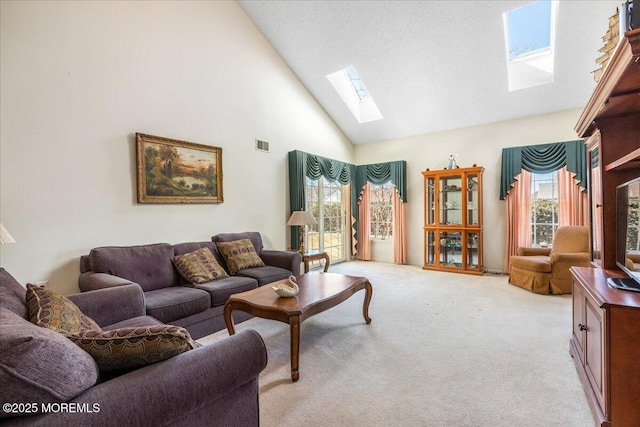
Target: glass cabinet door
(473, 199)
(451, 200)
(430, 208)
(450, 248)
(430, 250)
(473, 256)
(595, 183)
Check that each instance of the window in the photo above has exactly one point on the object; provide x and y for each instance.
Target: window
(529, 38)
(381, 210)
(354, 93)
(358, 84)
(325, 201)
(544, 208)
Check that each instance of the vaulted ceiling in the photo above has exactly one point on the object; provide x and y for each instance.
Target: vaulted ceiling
(429, 65)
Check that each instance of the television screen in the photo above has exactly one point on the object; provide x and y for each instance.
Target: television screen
(628, 235)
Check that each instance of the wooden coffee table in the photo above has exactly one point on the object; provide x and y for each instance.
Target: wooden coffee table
(318, 292)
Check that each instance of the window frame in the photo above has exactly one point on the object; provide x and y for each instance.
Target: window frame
(385, 188)
(321, 218)
(536, 180)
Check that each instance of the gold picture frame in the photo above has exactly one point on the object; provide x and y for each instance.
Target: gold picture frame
(173, 171)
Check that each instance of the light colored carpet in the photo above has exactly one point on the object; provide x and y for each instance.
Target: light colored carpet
(443, 349)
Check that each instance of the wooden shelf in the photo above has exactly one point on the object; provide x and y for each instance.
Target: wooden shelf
(631, 160)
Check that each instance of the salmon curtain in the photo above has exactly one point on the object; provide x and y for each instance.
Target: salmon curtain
(518, 216)
(364, 220)
(399, 230)
(573, 204)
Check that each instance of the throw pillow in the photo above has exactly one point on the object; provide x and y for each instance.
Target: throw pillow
(199, 266)
(134, 347)
(54, 311)
(239, 255)
(39, 365)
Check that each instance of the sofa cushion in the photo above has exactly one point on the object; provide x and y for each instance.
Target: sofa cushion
(134, 347)
(176, 302)
(222, 289)
(539, 263)
(239, 255)
(199, 266)
(147, 265)
(56, 312)
(266, 274)
(12, 294)
(39, 365)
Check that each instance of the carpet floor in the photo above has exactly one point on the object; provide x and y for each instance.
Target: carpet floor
(442, 349)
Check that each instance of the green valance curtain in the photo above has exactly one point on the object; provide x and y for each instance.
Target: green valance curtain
(543, 158)
(304, 165)
(379, 173)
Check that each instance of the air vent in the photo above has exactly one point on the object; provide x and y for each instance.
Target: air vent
(262, 146)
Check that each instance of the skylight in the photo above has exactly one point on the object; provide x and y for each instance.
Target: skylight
(355, 95)
(358, 84)
(529, 38)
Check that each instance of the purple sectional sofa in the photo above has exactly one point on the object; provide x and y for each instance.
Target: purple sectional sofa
(213, 385)
(198, 308)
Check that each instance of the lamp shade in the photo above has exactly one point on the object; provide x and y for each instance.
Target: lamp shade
(5, 237)
(302, 218)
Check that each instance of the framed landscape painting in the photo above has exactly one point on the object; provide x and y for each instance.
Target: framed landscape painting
(172, 171)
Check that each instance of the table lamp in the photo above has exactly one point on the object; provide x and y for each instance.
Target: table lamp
(302, 218)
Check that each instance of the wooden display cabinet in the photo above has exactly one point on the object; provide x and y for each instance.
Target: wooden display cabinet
(610, 124)
(605, 341)
(453, 220)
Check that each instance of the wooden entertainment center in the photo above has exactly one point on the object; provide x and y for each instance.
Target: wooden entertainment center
(605, 342)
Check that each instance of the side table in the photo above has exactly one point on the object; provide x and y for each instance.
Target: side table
(316, 256)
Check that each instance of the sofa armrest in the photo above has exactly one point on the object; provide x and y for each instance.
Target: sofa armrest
(214, 385)
(91, 281)
(283, 259)
(111, 305)
(524, 251)
(580, 259)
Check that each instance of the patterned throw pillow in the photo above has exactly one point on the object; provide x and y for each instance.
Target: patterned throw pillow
(199, 266)
(239, 254)
(54, 311)
(134, 347)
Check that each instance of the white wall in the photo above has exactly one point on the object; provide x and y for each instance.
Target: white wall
(481, 145)
(78, 79)
(382, 250)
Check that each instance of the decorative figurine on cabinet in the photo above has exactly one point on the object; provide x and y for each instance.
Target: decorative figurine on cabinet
(453, 162)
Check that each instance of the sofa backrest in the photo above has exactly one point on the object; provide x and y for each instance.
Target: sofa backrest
(571, 239)
(85, 263)
(12, 295)
(149, 266)
(254, 236)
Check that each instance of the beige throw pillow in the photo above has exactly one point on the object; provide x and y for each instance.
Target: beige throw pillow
(133, 347)
(54, 311)
(239, 255)
(199, 266)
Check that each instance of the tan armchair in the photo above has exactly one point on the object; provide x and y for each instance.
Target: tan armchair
(546, 270)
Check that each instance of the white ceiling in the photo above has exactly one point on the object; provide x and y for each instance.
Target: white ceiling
(429, 65)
